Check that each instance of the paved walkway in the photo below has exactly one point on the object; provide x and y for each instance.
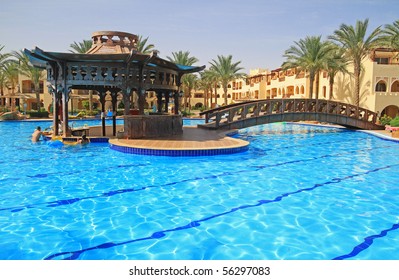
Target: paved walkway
(192, 139)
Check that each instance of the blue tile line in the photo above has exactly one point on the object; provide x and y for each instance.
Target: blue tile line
(121, 191)
(73, 255)
(368, 241)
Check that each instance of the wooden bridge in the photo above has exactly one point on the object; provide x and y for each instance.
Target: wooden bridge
(264, 111)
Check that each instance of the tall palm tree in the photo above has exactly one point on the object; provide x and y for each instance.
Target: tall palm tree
(33, 73)
(184, 58)
(3, 82)
(357, 45)
(11, 78)
(4, 60)
(336, 62)
(226, 71)
(390, 35)
(143, 47)
(308, 54)
(81, 47)
(206, 83)
(189, 84)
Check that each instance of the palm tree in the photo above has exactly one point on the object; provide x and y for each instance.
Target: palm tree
(143, 47)
(33, 73)
(81, 47)
(190, 83)
(308, 54)
(11, 77)
(184, 58)
(336, 62)
(4, 60)
(390, 35)
(205, 83)
(226, 71)
(3, 82)
(357, 46)
(84, 47)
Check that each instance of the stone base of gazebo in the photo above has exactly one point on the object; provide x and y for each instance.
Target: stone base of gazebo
(152, 126)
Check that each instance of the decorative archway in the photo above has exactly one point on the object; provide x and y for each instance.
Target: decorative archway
(391, 111)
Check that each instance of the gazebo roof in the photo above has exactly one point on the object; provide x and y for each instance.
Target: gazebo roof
(39, 58)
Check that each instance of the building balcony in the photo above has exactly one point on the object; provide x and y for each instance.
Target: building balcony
(383, 93)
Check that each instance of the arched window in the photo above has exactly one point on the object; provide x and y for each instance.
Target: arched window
(381, 87)
(324, 91)
(297, 90)
(302, 90)
(395, 87)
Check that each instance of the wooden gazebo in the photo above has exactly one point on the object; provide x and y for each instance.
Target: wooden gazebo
(114, 66)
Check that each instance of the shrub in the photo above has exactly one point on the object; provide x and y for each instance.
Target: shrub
(36, 114)
(384, 120)
(395, 121)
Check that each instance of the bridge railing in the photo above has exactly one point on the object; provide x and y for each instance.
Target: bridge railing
(223, 116)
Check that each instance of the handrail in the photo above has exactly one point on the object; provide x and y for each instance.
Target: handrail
(234, 113)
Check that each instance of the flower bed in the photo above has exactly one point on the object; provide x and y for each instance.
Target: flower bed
(394, 130)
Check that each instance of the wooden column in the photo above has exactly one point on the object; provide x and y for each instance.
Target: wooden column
(114, 95)
(141, 93)
(159, 101)
(176, 99)
(102, 95)
(65, 126)
(56, 110)
(166, 101)
(127, 94)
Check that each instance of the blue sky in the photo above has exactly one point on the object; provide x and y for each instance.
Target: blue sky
(254, 32)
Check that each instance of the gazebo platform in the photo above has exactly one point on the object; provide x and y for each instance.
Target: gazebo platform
(193, 142)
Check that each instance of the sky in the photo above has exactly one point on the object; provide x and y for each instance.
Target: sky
(254, 32)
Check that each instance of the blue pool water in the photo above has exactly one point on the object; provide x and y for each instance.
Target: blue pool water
(299, 192)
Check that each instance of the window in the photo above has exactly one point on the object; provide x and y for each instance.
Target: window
(395, 87)
(381, 86)
(382, 60)
(28, 87)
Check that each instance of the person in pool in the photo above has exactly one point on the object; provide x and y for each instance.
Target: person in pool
(84, 139)
(37, 134)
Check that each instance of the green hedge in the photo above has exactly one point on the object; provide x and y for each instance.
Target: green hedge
(36, 114)
(395, 121)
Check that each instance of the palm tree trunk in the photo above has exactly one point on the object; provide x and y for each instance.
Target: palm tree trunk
(311, 82)
(185, 102)
(225, 96)
(38, 101)
(216, 94)
(317, 85)
(357, 84)
(331, 89)
(205, 98)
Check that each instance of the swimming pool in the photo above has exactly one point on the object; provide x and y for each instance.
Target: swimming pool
(299, 192)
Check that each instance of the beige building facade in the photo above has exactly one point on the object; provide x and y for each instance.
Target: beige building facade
(379, 90)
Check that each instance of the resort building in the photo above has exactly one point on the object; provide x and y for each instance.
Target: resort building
(379, 88)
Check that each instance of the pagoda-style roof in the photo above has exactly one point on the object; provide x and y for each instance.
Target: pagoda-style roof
(39, 58)
(114, 65)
